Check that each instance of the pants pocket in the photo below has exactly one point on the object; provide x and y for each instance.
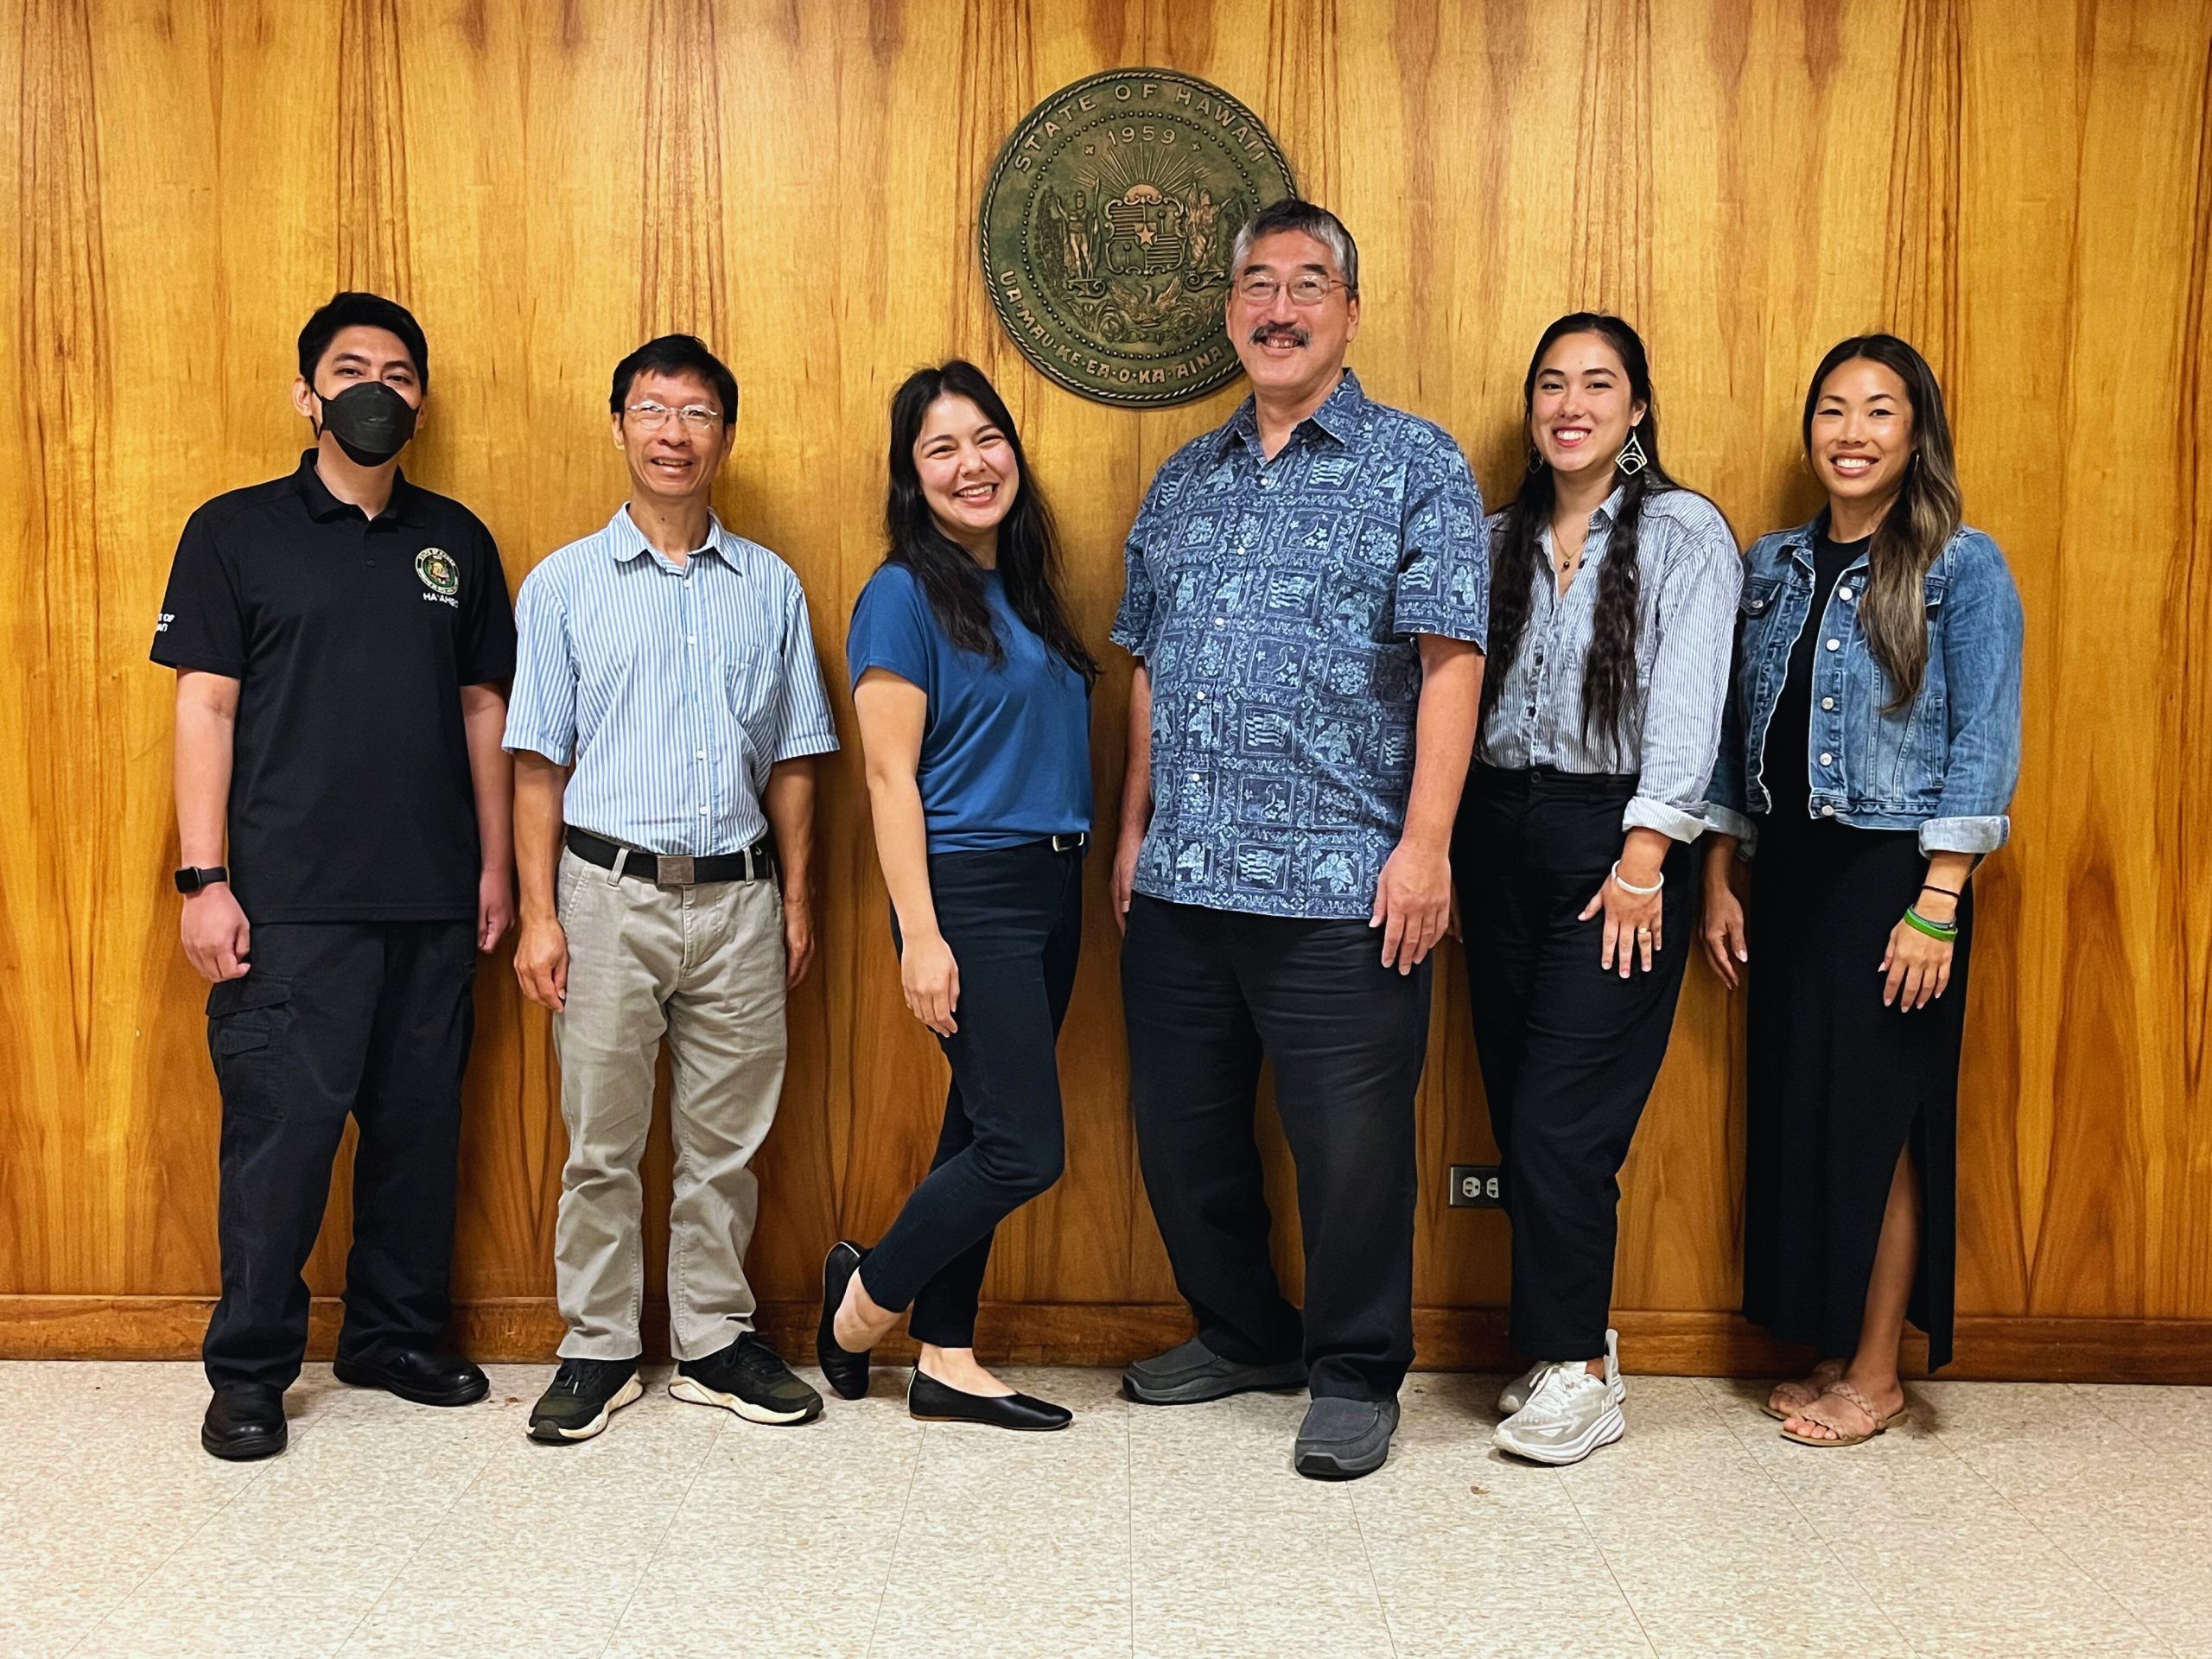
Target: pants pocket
(247, 1019)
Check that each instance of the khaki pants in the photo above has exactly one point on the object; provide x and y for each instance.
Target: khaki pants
(703, 966)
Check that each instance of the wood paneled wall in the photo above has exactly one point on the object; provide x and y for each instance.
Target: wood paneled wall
(2022, 187)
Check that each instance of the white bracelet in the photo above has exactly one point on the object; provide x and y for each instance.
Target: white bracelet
(1641, 893)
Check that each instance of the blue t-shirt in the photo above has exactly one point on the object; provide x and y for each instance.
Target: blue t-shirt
(1006, 748)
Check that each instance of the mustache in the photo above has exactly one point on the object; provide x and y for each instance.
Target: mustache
(1289, 331)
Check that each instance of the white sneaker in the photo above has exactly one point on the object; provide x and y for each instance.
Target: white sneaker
(1514, 1394)
(1570, 1416)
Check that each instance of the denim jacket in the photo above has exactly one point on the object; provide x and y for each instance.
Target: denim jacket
(1946, 766)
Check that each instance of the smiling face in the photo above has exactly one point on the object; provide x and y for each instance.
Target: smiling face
(969, 475)
(1862, 433)
(673, 455)
(1580, 409)
(1290, 350)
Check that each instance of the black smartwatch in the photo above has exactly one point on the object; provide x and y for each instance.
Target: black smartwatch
(189, 880)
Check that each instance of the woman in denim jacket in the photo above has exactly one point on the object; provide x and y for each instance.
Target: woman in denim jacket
(1868, 755)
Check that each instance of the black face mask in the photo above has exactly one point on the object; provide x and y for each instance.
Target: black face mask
(371, 422)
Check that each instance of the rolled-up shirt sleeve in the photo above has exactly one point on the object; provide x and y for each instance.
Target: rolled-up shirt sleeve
(1984, 636)
(1695, 615)
(1444, 576)
(542, 708)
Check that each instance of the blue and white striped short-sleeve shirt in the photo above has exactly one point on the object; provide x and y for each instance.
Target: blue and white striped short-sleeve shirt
(670, 688)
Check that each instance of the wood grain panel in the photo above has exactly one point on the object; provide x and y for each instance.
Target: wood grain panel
(2024, 188)
(1653, 1343)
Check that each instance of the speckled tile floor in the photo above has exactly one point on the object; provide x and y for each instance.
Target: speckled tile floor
(2003, 1519)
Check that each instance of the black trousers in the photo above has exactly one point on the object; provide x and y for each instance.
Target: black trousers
(1568, 1051)
(1208, 994)
(1014, 919)
(336, 1018)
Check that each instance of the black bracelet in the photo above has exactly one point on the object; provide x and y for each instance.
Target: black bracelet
(1948, 892)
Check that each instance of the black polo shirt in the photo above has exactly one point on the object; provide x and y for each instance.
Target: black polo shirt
(350, 639)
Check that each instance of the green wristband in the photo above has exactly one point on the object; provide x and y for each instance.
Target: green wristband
(1933, 930)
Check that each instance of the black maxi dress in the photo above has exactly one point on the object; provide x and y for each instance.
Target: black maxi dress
(1837, 1085)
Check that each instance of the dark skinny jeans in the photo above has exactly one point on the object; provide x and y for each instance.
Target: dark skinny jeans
(1014, 919)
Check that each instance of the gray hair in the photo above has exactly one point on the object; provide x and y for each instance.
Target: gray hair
(1293, 215)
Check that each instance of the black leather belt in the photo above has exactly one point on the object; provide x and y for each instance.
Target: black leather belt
(669, 870)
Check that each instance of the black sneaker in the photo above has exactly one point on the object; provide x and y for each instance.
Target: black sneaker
(584, 1395)
(747, 1378)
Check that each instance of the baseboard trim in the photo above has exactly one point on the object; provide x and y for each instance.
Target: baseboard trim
(1653, 1342)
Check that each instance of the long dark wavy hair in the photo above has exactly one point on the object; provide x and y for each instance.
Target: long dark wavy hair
(1028, 554)
(1920, 522)
(1609, 673)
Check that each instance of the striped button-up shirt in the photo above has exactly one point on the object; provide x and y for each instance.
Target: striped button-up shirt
(670, 688)
(1689, 575)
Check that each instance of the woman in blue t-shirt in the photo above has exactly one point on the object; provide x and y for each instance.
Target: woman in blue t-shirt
(974, 697)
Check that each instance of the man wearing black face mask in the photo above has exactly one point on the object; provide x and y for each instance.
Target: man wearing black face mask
(342, 639)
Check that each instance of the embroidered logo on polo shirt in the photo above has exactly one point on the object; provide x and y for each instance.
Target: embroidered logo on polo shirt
(439, 573)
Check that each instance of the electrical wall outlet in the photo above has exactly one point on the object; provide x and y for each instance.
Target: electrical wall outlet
(1475, 1186)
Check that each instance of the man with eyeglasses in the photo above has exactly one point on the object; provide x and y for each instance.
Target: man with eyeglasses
(667, 706)
(1309, 593)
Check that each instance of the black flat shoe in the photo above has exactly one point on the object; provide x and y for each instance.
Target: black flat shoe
(847, 1371)
(929, 1401)
(243, 1421)
(417, 1374)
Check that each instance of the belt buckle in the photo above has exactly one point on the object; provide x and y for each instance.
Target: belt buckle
(1069, 843)
(673, 872)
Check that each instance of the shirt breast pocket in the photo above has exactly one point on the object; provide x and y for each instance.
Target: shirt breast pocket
(749, 703)
(1755, 607)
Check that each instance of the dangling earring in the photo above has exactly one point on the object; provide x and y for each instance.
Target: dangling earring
(1535, 461)
(1632, 459)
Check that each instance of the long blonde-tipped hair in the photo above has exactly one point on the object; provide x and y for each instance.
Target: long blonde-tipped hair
(1920, 522)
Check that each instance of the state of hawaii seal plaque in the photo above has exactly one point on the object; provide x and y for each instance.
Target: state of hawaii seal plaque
(1106, 230)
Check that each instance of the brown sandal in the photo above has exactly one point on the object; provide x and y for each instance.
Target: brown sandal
(1850, 1397)
(1825, 1376)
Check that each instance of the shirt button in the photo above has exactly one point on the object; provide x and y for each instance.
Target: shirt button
(1196, 779)
(699, 754)
(1220, 622)
(1835, 644)
(1827, 811)
(693, 639)
(702, 811)
(1202, 697)
(1850, 594)
(1828, 702)
(1826, 760)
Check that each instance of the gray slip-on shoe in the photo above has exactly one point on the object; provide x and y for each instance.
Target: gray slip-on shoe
(1342, 1439)
(1190, 1372)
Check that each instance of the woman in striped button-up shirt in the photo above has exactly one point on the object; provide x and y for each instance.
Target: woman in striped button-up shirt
(1612, 596)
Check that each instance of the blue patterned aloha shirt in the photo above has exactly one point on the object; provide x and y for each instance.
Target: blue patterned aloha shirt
(1275, 603)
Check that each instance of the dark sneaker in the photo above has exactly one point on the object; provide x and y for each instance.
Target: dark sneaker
(1191, 1372)
(748, 1378)
(245, 1422)
(1342, 1439)
(584, 1395)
